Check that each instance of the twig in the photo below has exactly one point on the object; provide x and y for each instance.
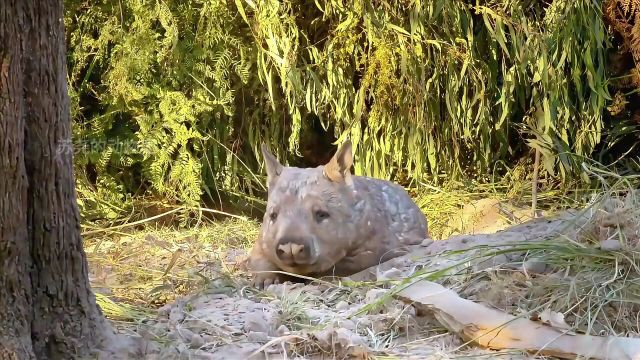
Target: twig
(534, 184)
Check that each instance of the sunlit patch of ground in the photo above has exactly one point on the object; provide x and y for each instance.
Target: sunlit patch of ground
(148, 268)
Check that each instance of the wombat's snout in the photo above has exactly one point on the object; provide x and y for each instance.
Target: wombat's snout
(295, 250)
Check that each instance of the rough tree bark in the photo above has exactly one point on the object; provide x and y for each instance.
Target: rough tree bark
(47, 308)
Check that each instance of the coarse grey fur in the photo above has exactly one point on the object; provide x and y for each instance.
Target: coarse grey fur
(324, 221)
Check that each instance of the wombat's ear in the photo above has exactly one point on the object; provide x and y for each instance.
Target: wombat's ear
(274, 168)
(338, 169)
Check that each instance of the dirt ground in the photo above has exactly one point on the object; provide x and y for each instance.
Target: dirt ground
(344, 318)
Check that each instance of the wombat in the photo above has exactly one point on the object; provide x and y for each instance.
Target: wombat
(324, 221)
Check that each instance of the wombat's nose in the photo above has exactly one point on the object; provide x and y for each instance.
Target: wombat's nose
(294, 250)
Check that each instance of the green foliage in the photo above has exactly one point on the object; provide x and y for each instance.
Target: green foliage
(424, 89)
(157, 80)
(446, 86)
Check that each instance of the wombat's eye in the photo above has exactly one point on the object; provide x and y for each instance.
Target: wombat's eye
(321, 215)
(273, 216)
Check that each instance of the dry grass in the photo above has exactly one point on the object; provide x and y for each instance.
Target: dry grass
(149, 267)
(444, 205)
(593, 279)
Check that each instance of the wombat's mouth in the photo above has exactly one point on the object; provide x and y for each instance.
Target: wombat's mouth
(299, 269)
(324, 268)
(317, 267)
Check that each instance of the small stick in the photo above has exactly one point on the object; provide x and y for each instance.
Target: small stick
(534, 184)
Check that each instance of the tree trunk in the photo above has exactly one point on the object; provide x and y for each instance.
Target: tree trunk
(47, 309)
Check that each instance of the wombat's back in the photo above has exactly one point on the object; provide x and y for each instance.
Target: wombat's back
(391, 206)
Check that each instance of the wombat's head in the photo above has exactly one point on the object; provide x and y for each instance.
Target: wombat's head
(310, 222)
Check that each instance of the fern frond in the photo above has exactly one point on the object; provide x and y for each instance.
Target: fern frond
(635, 38)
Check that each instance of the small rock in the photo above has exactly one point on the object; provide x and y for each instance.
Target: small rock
(391, 274)
(325, 336)
(199, 326)
(257, 336)
(313, 291)
(276, 289)
(145, 334)
(197, 341)
(610, 245)
(176, 315)
(347, 337)
(164, 311)
(186, 334)
(374, 294)
(347, 324)
(341, 305)
(208, 339)
(148, 348)
(534, 266)
(282, 330)
(315, 315)
(426, 242)
(365, 322)
(182, 348)
(256, 322)
(168, 352)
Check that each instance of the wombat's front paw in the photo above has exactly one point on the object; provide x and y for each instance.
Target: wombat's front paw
(262, 269)
(263, 280)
